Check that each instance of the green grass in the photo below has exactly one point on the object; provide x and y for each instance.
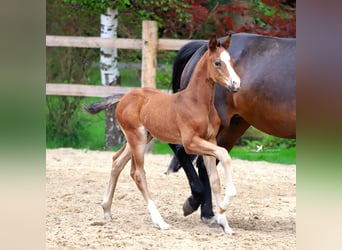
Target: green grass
(130, 78)
(161, 148)
(280, 155)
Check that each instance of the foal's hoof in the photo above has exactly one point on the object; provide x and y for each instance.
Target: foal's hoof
(222, 221)
(164, 226)
(108, 217)
(187, 208)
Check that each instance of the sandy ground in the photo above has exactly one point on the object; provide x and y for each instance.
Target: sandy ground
(263, 214)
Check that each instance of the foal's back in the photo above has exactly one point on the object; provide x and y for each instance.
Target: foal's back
(151, 110)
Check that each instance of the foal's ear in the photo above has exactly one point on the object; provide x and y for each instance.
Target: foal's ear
(226, 42)
(213, 43)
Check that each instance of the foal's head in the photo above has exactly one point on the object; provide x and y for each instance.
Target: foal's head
(221, 68)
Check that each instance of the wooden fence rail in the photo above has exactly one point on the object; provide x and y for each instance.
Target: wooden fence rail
(120, 43)
(86, 90)
(149, 44)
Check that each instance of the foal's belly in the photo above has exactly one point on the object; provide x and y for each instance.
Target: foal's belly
(159, 121)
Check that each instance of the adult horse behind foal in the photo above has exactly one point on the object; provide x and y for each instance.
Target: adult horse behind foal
(187, 117)
(266, 100)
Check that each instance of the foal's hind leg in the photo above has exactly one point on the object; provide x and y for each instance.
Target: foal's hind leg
(120, 160)
(138, 141)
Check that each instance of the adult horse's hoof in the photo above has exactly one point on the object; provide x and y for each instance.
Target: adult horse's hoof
(187, 208)
(173, 167)
(211, 222)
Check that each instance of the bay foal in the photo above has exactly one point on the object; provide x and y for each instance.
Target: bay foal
(187, 117)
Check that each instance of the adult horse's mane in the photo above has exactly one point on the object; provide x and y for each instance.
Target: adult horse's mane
(183, 56)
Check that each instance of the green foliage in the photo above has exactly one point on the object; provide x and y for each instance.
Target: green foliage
(74, 128)
(160, 147)
(269, 141)
(98, 7)
(274, 149)
(275, 18)
(164, 71)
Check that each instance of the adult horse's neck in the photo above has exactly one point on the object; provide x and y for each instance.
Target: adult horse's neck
(201, 87)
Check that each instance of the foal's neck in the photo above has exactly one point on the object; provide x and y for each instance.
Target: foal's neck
(201, 86)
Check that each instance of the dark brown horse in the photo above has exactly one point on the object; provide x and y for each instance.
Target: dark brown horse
(266, 100)
(187, 117)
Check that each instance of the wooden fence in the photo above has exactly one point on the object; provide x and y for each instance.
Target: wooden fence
(149, 44)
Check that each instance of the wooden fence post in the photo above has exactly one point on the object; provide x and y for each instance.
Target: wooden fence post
(149, 54)
(149, 60)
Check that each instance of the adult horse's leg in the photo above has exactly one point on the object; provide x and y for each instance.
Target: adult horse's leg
(119, 161)
(229, 135)
(207, 213)
(193, 202)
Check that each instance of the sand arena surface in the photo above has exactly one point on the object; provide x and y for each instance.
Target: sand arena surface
(262, 215)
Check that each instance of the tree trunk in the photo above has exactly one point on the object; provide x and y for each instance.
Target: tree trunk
(110, 75)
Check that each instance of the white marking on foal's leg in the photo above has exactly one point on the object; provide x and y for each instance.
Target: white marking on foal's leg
(222, 220)
(106, 209)
(230, 187)
(230, 192)
(156, 217)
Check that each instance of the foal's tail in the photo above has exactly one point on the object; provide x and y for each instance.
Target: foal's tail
(106, 102)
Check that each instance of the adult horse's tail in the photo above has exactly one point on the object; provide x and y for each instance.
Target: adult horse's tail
(106, 102)
(182, 58)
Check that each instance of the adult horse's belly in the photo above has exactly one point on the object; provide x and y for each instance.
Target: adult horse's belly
(274, 118)
(274, 125)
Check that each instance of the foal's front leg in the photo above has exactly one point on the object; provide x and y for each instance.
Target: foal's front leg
(210, 150)
(214, 179)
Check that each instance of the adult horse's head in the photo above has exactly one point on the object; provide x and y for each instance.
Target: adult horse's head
(221, 67)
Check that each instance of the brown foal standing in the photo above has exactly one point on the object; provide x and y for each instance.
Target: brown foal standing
(187, 117)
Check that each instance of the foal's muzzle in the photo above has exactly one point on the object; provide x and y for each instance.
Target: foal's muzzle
(233, 86)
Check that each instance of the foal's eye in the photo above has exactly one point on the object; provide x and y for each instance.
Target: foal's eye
(217, 63)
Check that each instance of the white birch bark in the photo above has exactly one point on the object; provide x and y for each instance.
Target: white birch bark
(109, 57)
(110, 75)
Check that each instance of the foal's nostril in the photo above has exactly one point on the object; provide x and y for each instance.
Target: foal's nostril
(236, 86)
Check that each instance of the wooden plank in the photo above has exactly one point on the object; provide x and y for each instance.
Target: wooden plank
(84, 90)
(149, 54)
(75, 89)
(93, 42)
(120, 43)
(173, 44)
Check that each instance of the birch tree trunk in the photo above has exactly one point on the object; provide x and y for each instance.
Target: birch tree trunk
(110, 75)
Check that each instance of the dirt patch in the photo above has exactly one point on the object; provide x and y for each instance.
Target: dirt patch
(263, 214)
